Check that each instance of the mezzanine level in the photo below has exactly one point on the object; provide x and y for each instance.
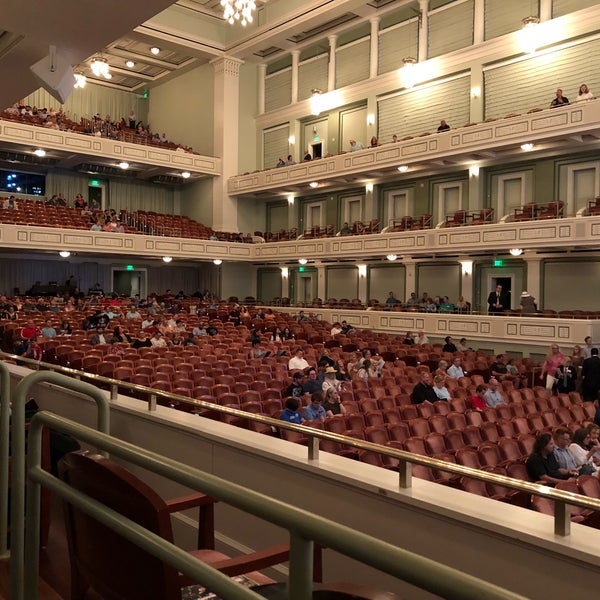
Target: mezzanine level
(573, 128)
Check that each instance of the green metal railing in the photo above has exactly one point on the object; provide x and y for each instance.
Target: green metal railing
(17, 437)
(304, 528)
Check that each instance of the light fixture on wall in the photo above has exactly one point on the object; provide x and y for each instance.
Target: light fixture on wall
(64, 253)
(362, 270)
(40, 152)
(238, 10)
(185, 174)
(217, 261)
(466, 267)
(370, 119)
(167, 259)
(314, 184)
(290, 200)
(516, 251)
(100, 68)
(403, 168)
(80, 80)
(316, 101)
(474, 171)
(475, 92)
(530, 36)
(369, 187)
(124, 165)
(408, 73)
(302, 261)
(527, 147)
(285, 272)
(392, 257)
(292, 140)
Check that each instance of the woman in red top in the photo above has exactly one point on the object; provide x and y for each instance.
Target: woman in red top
(478, 400)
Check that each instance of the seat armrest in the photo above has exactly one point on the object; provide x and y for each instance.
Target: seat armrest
(253, 562)
(206, 516)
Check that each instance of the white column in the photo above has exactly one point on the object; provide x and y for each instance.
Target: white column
(423, 30)
(331, 72)
(362, 284)
(410, 277)
(295, 60)
(466, 279)
(374, 49)
(478, 21)
(321, 281)
(262, 73)
(545, 15)
(226, 138)
(475, 192)
(476, 102)
(534, 279)
(285, 284)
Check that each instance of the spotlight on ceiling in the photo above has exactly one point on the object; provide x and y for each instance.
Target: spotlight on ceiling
(302, 261)
(130, 64)
(80, 80)
(167, 259)
(186, 174)
(403, 168)
(39, 152)
(64, 253)
(313, 184)
(217, 261)
(516, 251)
(392, 257)
(155, 50)
(527, 147)
(124, 165)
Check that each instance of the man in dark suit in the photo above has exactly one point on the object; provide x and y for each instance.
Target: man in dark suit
(423, 391)
(498, 301)
(590, 374)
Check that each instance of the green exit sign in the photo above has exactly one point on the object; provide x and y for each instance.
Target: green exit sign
(301, 269)
(498, 262)
(130, 268)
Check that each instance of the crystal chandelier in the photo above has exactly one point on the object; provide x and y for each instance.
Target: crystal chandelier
(80, 79)
(100, 67)
(234, 10)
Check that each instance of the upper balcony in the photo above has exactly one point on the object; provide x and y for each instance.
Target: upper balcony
(573, 128)
(96, 155)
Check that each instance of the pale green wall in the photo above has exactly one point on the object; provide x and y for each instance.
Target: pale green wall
(196, 201)
(251, 215)
(183, 109)
(238, 279)
(248, 135)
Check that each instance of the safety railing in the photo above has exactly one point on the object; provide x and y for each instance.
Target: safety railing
(304, 528)
(562, 499)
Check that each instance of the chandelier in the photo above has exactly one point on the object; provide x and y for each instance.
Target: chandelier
(234, 10)
(80, 79)
(100, 67)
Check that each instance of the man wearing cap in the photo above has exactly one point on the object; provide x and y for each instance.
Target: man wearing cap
(330, 381)
(528, 303)
(493, 397)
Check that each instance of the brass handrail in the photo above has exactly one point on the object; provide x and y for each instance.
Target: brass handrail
(562, 499)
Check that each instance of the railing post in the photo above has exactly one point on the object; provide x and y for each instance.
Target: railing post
(313, 448)
(4, 456)
(114, 391)
(405, 471)
(562, 518)
(152, 402)
(301, 567)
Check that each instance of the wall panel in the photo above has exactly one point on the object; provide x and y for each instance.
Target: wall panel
(504, 17)
(384, 279)
(563, 7)
(451, 28)
(278, 90)
(352, 63)
(342, 282)
(275, 145)
(574, 276)
(439, 280)
(312, 73)
(396, 43)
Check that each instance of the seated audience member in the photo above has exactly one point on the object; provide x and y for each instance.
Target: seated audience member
(564, 457)
(455, 370)
(199, 330)
(332, 404)
(421, 338)
(345, 230)
(65, 328)
(446, 306)
(443, 126)
(423, 391)
(449, 346)
(307, 156)
(301, 317)
(330, 380)
(100, 337)
(311, 385)
(257, 351)
(391, 300)
(354, 146)
(566, 377)
(584, 452)
(528, 303)
(462, 345)
(493, 397)
(409, 339)
(367, 370)
(47, 330)
(35, 350)
(442, 369)
(394, 139)
(461, 305)
(478, 400)
(347, 328)
(412, 300)
(336, 329)
(212, 330)
(290, 160)
(295, 389)
(315, 411)
(584, 93)
(290, 413)
(30, 330)
(342, 371)
(142, 340)
(559, 100)
(298, 361)
(374, 142)
(440, 389)
(542, 465)
(157, 340)
(133, 313)
(119, 336)
(325, 359)
(499, 370)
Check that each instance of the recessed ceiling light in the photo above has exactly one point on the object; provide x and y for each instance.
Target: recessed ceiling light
(124, 165)
(217, 261)
(39, 152)
(167, 259)
(155, 50)
(403, 168)
(130, 64)
(392, 257)
(302, 261)
(186, 174)
(313, 184)
(64, 253)
(526, 147)
(516, 251)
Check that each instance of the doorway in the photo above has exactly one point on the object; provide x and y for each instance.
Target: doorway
(316, 150)
(129, 283)
(506, 281)
(96, 192)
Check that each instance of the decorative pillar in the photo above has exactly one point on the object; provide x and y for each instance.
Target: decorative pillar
(534, 279)
(410, 277)
(423, 29)
(374, 48)
(321, 281)
(476, 105)
(478, 21)
(295, 61)
(226, 139)
(362, 283)
(262, 74)
(331, 72)
(545, 15)
(475, 200)
(285, 282)
(466, 280)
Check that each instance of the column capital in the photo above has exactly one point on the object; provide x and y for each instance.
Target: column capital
(227, 65)
(374, 20)
(332, 39)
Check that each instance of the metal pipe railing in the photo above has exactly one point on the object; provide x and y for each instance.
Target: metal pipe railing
(406, 459)
(17, 437)
(305, 528)
(4, 456)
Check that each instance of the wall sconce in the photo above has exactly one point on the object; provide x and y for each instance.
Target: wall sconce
(516, 251)
(467, 267)
(369, 187)
(474, 171)
(290, 200)
(370, 119)
(475, 92)
(408, 73)
(292, 140)
(362, 270)
(285, 272)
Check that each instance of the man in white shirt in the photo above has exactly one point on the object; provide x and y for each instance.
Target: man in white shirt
(298, 362)
(586, 349)
(157, 340)
(455, 370)
(493, 397)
